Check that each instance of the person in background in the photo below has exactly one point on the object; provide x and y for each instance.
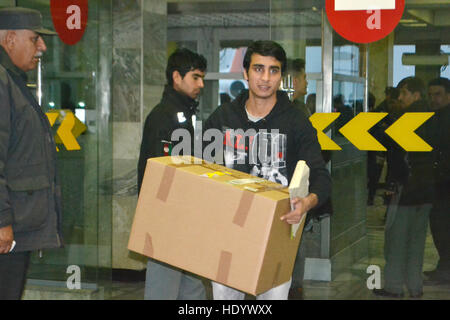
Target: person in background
(296, 68)
(410, 183)
(184, 73)
(30, 194)
(373, 162)
(439, 95)
(311, 103)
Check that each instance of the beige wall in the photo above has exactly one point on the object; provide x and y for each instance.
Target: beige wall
(380, 67)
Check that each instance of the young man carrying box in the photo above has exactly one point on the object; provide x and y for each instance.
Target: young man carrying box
(283, 137)
(185, 72)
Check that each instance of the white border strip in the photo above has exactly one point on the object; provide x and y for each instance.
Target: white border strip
(353, 5)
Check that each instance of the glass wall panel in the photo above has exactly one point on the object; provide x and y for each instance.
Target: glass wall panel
(348, 240)
(70, 84)
(297, 26)
(417, 48)
(221, 32)
(401, 71)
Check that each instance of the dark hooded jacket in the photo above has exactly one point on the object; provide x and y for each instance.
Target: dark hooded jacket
(174, 111)
(284, 137)
(30, 195)
(412, 170)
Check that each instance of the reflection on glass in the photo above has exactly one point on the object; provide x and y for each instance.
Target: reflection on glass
(401, 71)
(231, 62)
(313, 59)
(445, 70)
(346, 60)
(69, 83)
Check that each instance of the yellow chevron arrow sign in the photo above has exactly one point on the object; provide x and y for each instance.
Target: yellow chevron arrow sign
(320, 121)
(402, 131)
(356, 131)
(69, 129)
(52, 116)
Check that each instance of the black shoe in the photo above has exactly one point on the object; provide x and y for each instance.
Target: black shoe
(386, 294)
(430, 274)
(436, 281)
(416, 295)
(295, 293)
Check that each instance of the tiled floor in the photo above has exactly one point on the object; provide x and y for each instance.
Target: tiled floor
(347, 285)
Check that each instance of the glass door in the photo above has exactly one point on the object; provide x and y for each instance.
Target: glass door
(70, 77)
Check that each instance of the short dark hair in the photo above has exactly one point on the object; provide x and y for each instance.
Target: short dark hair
(442, 82)
(371, 100)
(184, 60)
(295, 65)
(413, 84)
(391, 92)
(265, 48)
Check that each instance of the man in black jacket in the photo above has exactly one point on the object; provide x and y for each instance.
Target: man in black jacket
(30, 195)
(296, 68)
(439, 93)
(185, 72)
(283, 135)
(410, 181)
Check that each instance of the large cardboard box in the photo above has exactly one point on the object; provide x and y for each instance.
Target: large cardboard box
(219, 223)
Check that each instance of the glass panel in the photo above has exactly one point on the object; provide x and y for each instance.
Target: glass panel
(445, 70)
(407, 187)
(297, 26)
(313, 59)
(70, 85)
(346, 60)
(400, 70)
(231, 62)
(348, 240)
(220, 31)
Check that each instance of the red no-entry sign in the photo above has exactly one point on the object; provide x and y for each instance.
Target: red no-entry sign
(70, 19)
(364, 21)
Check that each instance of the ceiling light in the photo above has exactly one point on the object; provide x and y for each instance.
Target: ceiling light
(417, 25)
(408, 21)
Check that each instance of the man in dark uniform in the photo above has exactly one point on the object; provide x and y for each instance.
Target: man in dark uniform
(439, 94)
(30, 196)
(410, 181)
(185, 72)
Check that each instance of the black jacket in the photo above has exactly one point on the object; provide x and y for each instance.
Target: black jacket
(30, 195)
(440, 141)
(412, 170)
(278, 152)
(174, 111)
(297, 103)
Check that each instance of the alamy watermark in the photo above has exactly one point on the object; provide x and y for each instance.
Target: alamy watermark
(74, 280)
(237, 145)
(374, 280)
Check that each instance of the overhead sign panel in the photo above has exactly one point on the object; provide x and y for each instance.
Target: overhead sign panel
(345, 5)
(364, 21)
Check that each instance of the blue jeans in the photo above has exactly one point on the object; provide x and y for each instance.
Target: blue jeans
(164, 282)
(222, 292)
(405, 234)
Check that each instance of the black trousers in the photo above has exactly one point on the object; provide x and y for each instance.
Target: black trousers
(13, 271)
(375, 163)
(440, 229)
